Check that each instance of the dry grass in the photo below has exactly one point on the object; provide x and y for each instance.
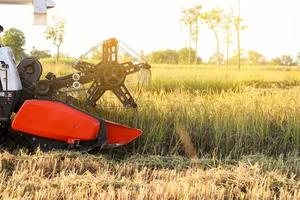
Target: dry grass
(74, 176)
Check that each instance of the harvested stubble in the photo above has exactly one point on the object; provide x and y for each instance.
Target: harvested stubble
(74, 176)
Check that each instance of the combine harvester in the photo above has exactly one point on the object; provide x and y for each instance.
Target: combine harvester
(48, 116)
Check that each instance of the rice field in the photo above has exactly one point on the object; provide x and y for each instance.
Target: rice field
(209, 133)
(208, 78)
(202, 110)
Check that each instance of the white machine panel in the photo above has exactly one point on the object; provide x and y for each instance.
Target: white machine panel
(16, 1)
(13, 78)
(39, 8)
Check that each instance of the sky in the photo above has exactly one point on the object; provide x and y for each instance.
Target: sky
(272, 25)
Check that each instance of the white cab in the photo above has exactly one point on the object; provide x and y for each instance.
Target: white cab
(13, 78)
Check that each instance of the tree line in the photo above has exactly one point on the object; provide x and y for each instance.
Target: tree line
(173, 57)
(251, 57)
(15, 39)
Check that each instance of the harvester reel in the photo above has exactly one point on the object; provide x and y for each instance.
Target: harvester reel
(108, 74)
(114, 76)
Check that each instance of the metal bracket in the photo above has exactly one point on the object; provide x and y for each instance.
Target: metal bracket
(94, 94)
(124, 96)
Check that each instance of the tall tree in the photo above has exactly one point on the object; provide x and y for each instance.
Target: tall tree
(15, 39)
(195, 34)
(56, 33)
(227, 26)
(238, 28)
(191, 18)
(214, 20)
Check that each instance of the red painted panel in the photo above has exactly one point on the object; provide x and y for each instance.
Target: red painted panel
(55, 120)
(119, 134)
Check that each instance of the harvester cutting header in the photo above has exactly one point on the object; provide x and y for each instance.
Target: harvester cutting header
(49, 116)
